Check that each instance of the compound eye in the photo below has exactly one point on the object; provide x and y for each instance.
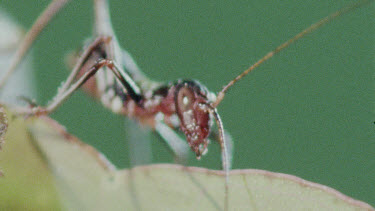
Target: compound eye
(185, 99)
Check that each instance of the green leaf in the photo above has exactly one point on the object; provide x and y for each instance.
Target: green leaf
(86, 180)
(27, 183)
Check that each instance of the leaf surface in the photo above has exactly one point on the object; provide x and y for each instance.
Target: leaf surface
(88, 181)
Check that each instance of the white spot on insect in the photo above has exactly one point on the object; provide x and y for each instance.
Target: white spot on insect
(211, 97)
(194, 137)
(185, 100)
(188, 117)
(174, 120)
(153, 102)
(148, 104)
(201, 148)
(190, 126)
(107, 97)
(116, 105)
(148, 94)
(203, 106)
(159, 117)
(211, 122)
(110, 93)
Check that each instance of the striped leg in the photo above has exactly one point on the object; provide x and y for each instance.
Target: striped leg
(121, 75)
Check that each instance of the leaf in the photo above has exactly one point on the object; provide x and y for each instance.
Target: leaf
(3, 126)
(3, 129)
(26, 184)
(86, 180)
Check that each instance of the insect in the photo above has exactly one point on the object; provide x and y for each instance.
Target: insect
(193, 106)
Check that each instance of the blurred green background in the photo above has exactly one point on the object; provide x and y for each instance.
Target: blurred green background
(308, 112)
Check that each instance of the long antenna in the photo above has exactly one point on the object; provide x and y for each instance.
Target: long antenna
(270, 54)
(31, 35)
(224, 154)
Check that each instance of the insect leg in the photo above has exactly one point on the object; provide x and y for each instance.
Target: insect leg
(38, 26)
(83, 59)
(121, 75)
(178, 145)
(132, 89)
(81, 62)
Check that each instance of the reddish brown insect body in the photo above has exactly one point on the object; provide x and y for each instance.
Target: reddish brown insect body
(184, 104)
(186, 99)
(192, 107)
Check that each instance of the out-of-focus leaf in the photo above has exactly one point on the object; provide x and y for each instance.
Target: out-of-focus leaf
(26, 184)
(3, 128)
(88, 181)
(20, 84)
